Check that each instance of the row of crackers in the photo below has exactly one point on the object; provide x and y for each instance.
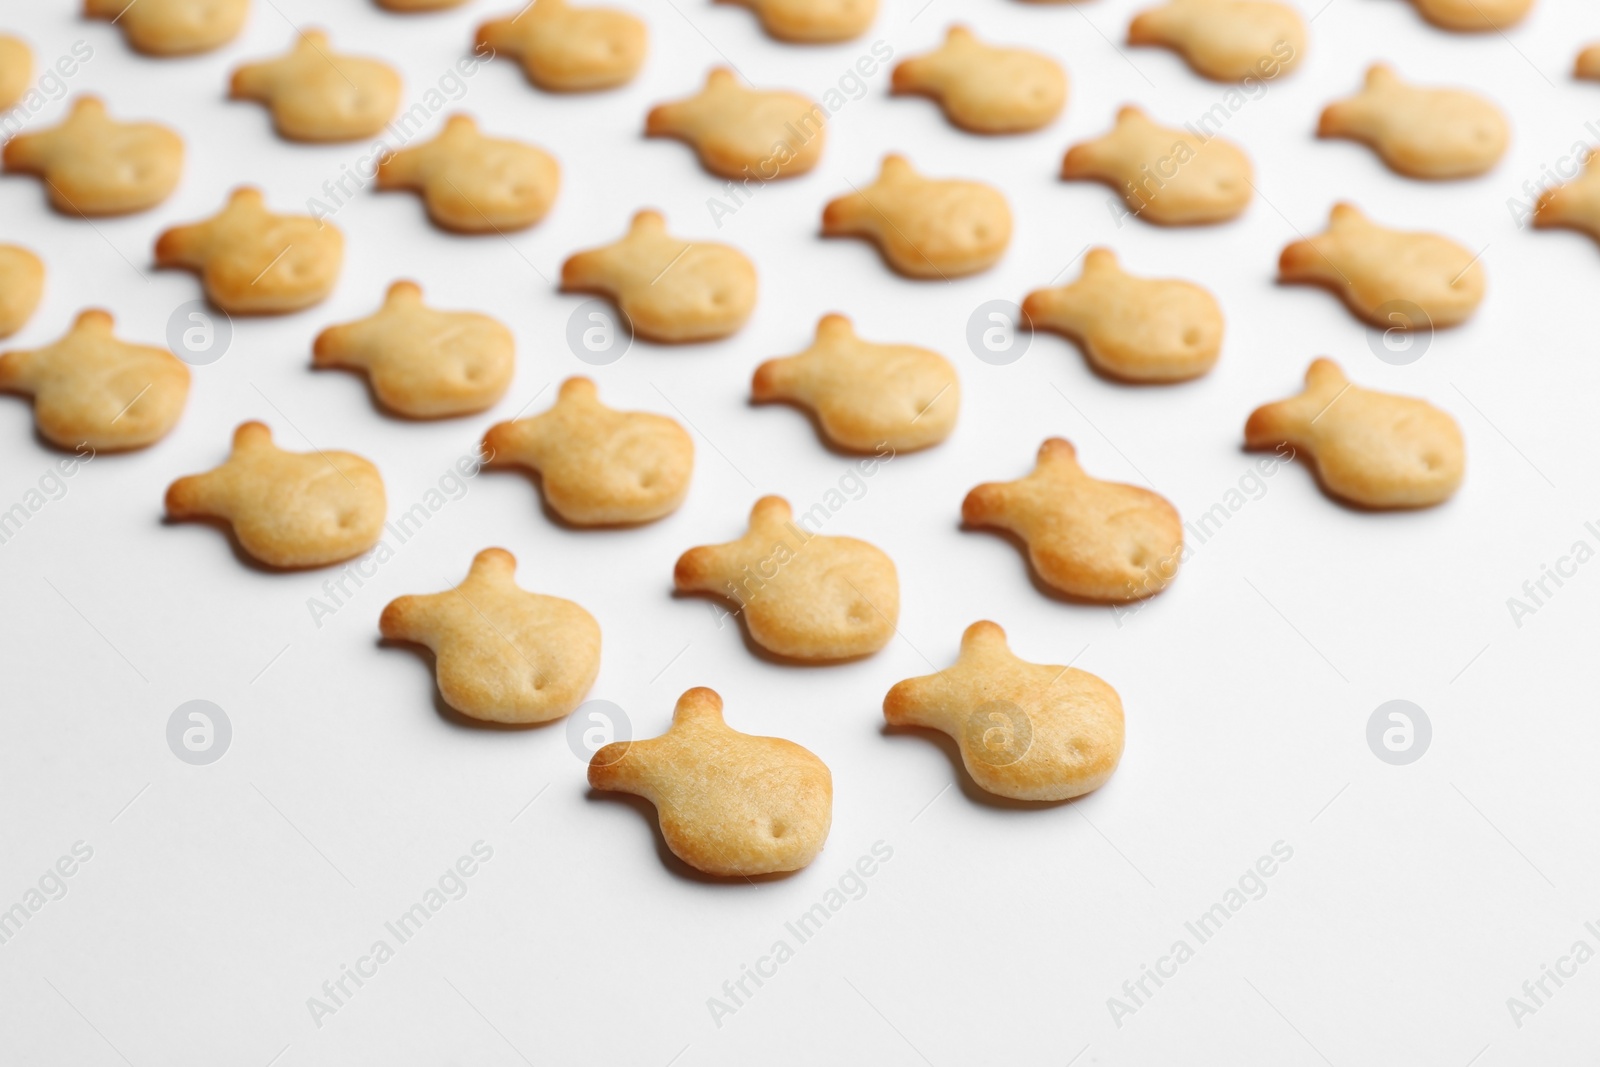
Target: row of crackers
(1026, 731)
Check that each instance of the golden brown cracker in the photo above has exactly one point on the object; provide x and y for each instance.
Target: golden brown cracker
(252, 261)
(1132, 328)
(316, 94)
(287, 509)
(812, 21)
(739, 132)
(671, 291)
(1166, 176)
(1421, 133)
(1390, 278)
(1587, 64)
(1093, 540)
(1226, 40)
(1473, 16)
(1027, 731)
(730, 804)
(1373, 449)
(803, 595)
(866, 396)
(1575, 205)
(172, 27)
(423, 363)
(983, 88)
(925, 227)
(21, 286)
(471, 183)
(501, 653)
(598, 466)
(16, 69)
(91, 164)
(570, 49)
(91, 389)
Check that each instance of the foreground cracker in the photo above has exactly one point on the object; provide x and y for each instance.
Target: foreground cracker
(1388, 277)
(254, 262)
(423, 363)
(803, 595)
(1575, 205)
(90, 388)
(16, 69)
(1422, 133)
(317, 95)
(744, 133)
(1136, 329)
(1473, 16)
(729, 803)
(92, 164)
(1587, 64)
(502, 654)
(812, 21)
(288, 509)
(475, 184)
(983, 88)
(172, 27)
(866, 396)
(570, 49)
(598, 466)
(1095, 540)
(1373, 449)
(925, 227)
(669, 290)
(21, 286)
(1165, 176)
(1226, 40)
(1027, 731)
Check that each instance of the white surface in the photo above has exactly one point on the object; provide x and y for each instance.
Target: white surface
(1415, 904)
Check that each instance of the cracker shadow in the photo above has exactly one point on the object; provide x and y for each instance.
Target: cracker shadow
(766, 655)
(833, 448)
(225, 528)
(1315, 471)
(1045, 588)
(450, 715)
(1112, 378)
(536, 480)
(675, 866)
(388, 412)
(974, 792)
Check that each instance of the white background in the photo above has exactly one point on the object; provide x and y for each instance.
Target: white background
(1417, 900)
